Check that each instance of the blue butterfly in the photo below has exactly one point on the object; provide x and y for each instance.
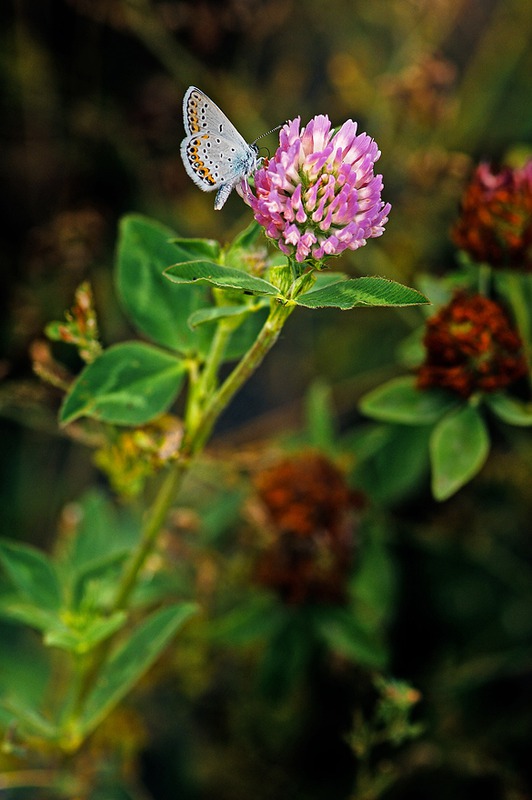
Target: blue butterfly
(214, 153)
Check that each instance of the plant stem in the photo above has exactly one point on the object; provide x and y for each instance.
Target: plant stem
(484, 279)
(195, 440)
(207, 380)
(518, 290)
(156, 516)
(153, 524)
(244, 369)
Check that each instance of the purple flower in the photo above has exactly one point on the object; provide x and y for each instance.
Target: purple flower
(318, 195)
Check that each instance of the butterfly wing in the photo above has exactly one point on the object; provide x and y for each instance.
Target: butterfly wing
(213, 160)
(201, 115)
(214, 154)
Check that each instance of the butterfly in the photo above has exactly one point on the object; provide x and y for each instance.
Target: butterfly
(214, 154)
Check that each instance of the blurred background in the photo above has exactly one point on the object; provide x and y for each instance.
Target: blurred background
(91, 123)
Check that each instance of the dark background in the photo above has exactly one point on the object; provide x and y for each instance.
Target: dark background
(90, 128)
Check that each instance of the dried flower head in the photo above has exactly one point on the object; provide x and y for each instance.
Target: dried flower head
(424, 89)
(133, 455)
(471, 346)
(318, 195)
(310, 507)
(495, 224)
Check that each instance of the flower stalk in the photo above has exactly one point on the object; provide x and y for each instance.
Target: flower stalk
(279, 313)
(194, 440)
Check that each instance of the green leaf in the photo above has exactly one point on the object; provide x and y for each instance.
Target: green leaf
(400, 401)
(459, 447)
(248, 321)
(320, 420)
(32, 573)
(245, 334)
(197, 248)
(77, 633)
(246, 238)
(28, 718)
(129, 663)
(391, 460)
(207, 272)
(509, 409)
(161, 312)
(218, 313)
(91, 556)
(374, 583)
(256, 619)
(87, 633)
(411, 350)
(290, 647)
(25, 667)
(28, 614)
(129, 384)
(345, 634)
(92, 543)
(324, 278)
(367, 291)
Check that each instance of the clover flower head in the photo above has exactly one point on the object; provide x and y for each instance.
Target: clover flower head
(318, 195)
(312, 519)
(471, 346)
(495, 223)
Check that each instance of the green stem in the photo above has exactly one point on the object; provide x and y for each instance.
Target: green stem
(154, 522)
(224, 331)
(244, 369)
(484, 279)
(518, 289)
(162, 503)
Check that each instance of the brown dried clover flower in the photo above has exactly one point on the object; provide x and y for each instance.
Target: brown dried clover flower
(313, 526)
(471, 346)
(495, 223)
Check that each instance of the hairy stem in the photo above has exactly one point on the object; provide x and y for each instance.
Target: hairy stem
(244, 369)
(156, 516)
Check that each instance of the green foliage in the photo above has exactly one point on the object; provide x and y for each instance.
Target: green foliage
(459, 447)
(210, 274)
(367, 291)
(33, 575)
(391, 460)
(320, 419)
(104, 535)
(129, 384)
(345, 293)
(399, 401)
(69, 599)
(145, 249)
(66, 598)
(374, 583)
(245, 240)
(237, 312)
(130, 661)
(510, 409)
(345, 633)
(132, 383)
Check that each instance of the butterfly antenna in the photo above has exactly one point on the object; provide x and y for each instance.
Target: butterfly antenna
(277, 127)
